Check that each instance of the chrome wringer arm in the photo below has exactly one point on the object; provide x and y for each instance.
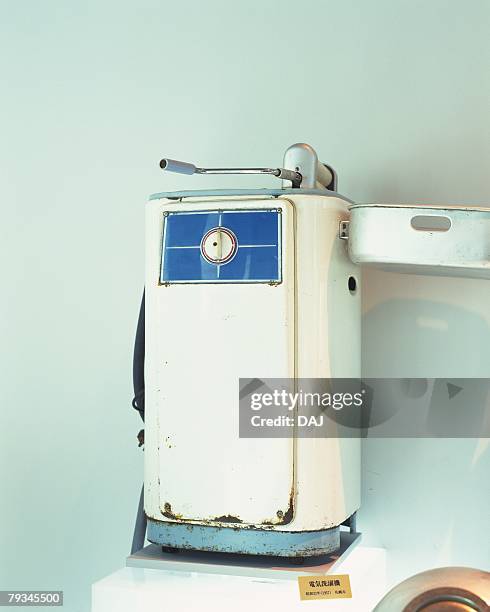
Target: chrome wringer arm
(301, 167)
(172, 165)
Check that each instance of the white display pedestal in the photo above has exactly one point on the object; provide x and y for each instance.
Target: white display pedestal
(156, 582)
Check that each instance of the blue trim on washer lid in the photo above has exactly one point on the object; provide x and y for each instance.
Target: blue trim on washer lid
(206, 193)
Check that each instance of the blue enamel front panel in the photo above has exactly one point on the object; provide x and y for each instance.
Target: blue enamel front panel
(258, 249)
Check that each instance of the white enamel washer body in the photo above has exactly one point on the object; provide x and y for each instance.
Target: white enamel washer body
(245, 284)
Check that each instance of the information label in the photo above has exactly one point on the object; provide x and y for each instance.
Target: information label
(324, 587)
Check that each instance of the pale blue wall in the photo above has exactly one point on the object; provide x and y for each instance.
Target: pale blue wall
(393, 93)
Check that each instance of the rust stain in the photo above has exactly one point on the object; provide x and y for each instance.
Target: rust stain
(284, 517)
(289, 514)
(228, 518)
(172, 516)
(167, 513)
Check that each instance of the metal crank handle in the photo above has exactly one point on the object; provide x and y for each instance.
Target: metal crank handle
(172, 165)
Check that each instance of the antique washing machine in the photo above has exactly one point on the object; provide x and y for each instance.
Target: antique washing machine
(266, 283)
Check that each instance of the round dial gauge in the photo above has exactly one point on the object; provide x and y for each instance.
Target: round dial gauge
(219, 245)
